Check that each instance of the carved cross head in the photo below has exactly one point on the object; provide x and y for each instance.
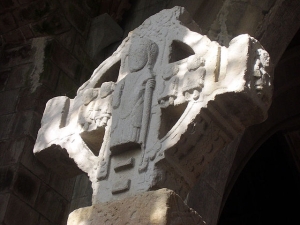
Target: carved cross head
(158, 110)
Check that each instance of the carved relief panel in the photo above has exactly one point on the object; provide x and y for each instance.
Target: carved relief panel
(157, 111)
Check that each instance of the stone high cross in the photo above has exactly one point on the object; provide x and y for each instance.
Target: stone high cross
(158, 110)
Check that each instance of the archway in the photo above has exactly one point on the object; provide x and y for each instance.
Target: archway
(267, 190)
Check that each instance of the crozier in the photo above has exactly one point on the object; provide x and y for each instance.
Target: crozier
(158, 110)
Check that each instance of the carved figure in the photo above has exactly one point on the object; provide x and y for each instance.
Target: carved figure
(96, 108)
(262, 78)
(85, 118)
(194, 78)
(203, 100)
(102, 108)
(131, 99)
(170, 90)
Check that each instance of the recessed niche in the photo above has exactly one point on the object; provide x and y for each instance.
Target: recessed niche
(170, 116)
(179, 51)
(93, 139)
(110, 75)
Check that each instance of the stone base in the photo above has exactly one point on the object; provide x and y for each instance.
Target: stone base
(161, 207)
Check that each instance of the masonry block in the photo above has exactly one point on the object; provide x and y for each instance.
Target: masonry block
(77, 17)
(9, 100)
(82, 54)
(7, 177)
(8, 5)
(3, 78)
(7, 22)
(34, 11)
(4, 145)
(91, 7)
(6, 122)
(80, 203)
(159, 207)
(10, 151)
(44, 221)
(66, 86)
(53, 24)
(65, 60)
(82, 193)
(27, 32)
(50, 74)
(67, 39)
(85, 75)
(104, 31)
(13, 56)
(18, 212)
(26, 185)
(34, 101)
(82, 186)
(26, 123)
(115, 8)
(19, 76)
(32, 164)
(52, 205)
(62, 186)
(4, 198)
(14, 37)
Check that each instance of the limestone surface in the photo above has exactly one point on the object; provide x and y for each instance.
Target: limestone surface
(157, 111)
(161, 207)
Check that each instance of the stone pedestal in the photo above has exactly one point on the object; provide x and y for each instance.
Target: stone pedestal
(161, 207)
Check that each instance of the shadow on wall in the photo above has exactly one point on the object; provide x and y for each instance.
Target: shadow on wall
(267, 190)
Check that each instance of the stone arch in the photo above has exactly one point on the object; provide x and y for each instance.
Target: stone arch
(284, 113)
(267, 186)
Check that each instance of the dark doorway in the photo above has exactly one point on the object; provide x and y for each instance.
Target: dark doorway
(268, 189)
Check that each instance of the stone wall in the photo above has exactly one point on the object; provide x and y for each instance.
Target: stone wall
(43, 55)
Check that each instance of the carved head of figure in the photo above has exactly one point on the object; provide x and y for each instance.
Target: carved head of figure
(143, 52)
(170, 71)
(195, 62)
(89, 95)
(106, 89)
(104, 105)
(262, 78)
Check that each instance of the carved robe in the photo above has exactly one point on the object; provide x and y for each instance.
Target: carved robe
(128, 99)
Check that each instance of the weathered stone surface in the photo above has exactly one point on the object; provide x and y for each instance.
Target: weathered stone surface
(26, 186)
(27, 32)
(64, 60)
(26, 123)
(4, 198)
(168, 98)
(17, 55)
(82, 193)
(51, 25)
(25, 213)
(115, 8)
(6, 177)
(51, 205)
(76, 15)
(34, 11)
(11, 152)
(9, 101)
(7, 121)
(14, 37)
(161, 207)
(29, 63)
(81, 53)
(102, 27)
(7, 22)
(4, 75)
